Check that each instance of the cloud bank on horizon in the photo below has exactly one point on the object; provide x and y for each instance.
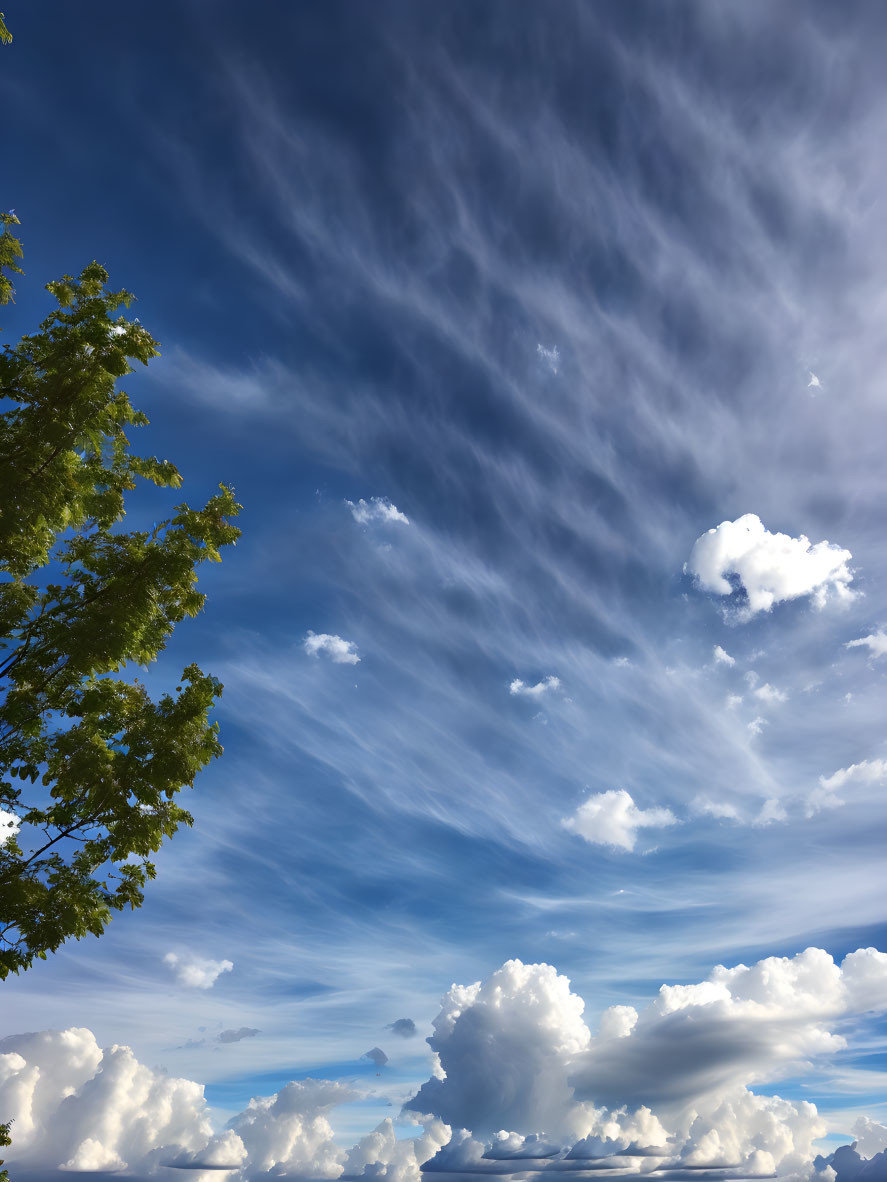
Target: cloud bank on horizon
(519, 1082)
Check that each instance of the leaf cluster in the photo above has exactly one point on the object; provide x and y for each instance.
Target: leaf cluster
(90, 765)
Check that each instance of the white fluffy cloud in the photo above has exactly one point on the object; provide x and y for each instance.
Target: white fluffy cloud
(875, 642)
(339, 651)
(722, 657)
(769, 695)
(197, 972)
(504, 1045)
(612, 818)
(521, 689)
(825, 796)
(515, 1054)
(9, 824)
(376, 509)
(771, 567)
(518, 1067)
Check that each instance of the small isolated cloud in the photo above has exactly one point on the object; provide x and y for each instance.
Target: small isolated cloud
(869, 771)
(876, 643)
(9, 825)
(771, 812)
(612, 818)
(770, 567)
(550, 357)
(721, 809)
(756, 725)
(403, 1027)
(521, 689)
(376, 1055)
(722, 657)
(339, 651)
(237, 1035)
(769, 695)
(196, 972)
(376, 509)
(621, 662)
(814, 382)
(733, 700)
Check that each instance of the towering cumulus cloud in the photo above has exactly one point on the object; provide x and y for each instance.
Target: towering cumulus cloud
(520, 1083)
(770, 567)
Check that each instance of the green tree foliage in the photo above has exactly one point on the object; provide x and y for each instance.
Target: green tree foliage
(90, 765)
(10, 250)
(4, 1140)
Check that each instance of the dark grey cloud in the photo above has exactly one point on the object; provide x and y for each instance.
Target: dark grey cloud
(377, 1056)
(403, 1027)
(237, 1035)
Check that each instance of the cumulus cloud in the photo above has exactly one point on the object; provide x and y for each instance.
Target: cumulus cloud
(875, 642)
(504, 1045)
(519, 1073)
(377, 1056)
(870, 1136)
(769, 695)
(403, 1027)
(197, 972)
(339, 651)
(520, 688)
(825, 796)
(382, 1155)
(291, 1132)
(376, 509)
(673, 1080)
(770, 567)
(612, 818)
(722, 657)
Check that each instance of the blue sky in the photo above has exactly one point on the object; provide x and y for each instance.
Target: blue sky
(568, 286)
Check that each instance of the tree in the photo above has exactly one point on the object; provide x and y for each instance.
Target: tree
(90, 765)
(4, 1140)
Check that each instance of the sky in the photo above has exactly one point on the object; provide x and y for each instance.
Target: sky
(543, 346)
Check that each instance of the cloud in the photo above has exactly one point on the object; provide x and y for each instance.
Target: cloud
(770, 567)
(715, 808)
(814, 382)
(722, 657)
(376, 509)
(504, 1045)
(516, 1064)
(9, 826)
(381, 1155)
(515, 1054)
(403, 1027)
(756, 725)
(339, 651)
(769, 695)
(226, 1036)
(612, 818)
(875, 642)
(196, 972)
(521, 689)
(290, 1131)
(868, 771)
(377, 1056)
(551, 357)
(870, 1136)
